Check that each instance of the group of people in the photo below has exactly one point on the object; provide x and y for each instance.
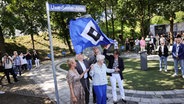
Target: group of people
(149, 43)
(177, 54)
(94, 68)
(17, 62)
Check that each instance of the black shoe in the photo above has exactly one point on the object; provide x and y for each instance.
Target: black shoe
(94, 101)
(107, 98)
(10, 83)
(124, 101)
(16, 80)
(115, 102)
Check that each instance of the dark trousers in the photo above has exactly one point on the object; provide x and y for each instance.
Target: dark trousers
(85, 84)
(94, 95)
(8, 72)
(24, 67)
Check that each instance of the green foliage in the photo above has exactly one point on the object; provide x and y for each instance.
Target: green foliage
(42, 45)
(167, 8)
(31, 14)
(131, 17)
(64, 67)
(179, 17)
(7, 19)
(159, 20)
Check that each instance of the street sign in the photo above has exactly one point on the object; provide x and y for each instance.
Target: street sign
(59, 8)
(67, 8)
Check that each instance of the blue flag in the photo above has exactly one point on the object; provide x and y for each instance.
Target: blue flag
(84, 32)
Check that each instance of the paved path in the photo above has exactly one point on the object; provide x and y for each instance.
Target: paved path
(39, 82)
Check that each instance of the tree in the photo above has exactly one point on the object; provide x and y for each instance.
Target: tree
(60, 21)
(136, 13)
(7, 23)
(2, 49)
(168, 8)
(31, 14)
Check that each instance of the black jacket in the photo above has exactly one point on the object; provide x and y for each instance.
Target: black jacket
(165, 53)
(110, 59)
(80, 71)
(85, 82)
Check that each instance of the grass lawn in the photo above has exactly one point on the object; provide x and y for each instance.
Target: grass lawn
(150, 80)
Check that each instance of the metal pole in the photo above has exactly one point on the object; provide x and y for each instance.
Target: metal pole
(52, 54)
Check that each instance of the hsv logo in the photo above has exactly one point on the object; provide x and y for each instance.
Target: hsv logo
(91, 34)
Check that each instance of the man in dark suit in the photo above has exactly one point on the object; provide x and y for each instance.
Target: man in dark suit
(82, 65)
(178, 55)
(115, 62)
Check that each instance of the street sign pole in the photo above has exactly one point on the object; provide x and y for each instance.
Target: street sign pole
(52, 54)
(59, 8)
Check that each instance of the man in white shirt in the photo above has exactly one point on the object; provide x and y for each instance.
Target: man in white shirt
(137, 45)
(82, 65)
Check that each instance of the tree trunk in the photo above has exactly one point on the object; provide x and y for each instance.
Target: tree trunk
(69, 45)
(122, 31)
(66, 33)
(142, 28)
(149, 18)
(171, 30)
(68, 42)
(113, 26)
(106, 22)
(32, 39)
(2, 45)
(112, 19)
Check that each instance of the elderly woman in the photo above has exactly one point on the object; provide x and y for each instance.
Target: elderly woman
(77, 94)
(98, 73)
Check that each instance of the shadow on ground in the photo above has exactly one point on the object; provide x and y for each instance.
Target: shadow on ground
(11, 98)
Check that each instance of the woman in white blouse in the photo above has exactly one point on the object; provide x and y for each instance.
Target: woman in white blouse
(98, 73)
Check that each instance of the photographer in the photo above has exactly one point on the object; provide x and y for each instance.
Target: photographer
(8, 67)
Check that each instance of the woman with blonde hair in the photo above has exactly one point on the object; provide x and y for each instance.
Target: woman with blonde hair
(77, 94)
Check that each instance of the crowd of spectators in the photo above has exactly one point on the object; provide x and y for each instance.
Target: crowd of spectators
(17, 63)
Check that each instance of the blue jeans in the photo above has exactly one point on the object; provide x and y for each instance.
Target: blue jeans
(100, 92)
(163, 59)
(137, 48)
(17, 69)
(29, 64)
(176, 62)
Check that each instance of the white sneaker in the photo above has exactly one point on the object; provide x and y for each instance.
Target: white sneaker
(182, 76)
(2, 92)
(174, 75)
(160, 69)
(165, 70)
